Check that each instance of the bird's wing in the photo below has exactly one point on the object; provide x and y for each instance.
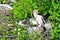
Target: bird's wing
(43, 20)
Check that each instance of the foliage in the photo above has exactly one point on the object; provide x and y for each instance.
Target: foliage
(3, 1)
(50, 9)
(23, 9)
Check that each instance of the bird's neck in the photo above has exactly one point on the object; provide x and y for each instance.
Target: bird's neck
(35, 15)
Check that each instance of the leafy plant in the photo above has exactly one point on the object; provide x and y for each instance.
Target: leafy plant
(22, 9)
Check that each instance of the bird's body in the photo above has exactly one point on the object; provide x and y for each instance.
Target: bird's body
(40, 19)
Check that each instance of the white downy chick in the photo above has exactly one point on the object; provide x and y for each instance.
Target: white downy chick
(39, 19)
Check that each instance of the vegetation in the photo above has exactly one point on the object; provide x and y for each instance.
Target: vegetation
(22, 9)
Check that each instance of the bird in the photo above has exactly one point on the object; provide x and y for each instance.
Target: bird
(39, 18)
(39, 21)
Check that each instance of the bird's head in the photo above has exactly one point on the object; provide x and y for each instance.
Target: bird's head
(35, 12)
